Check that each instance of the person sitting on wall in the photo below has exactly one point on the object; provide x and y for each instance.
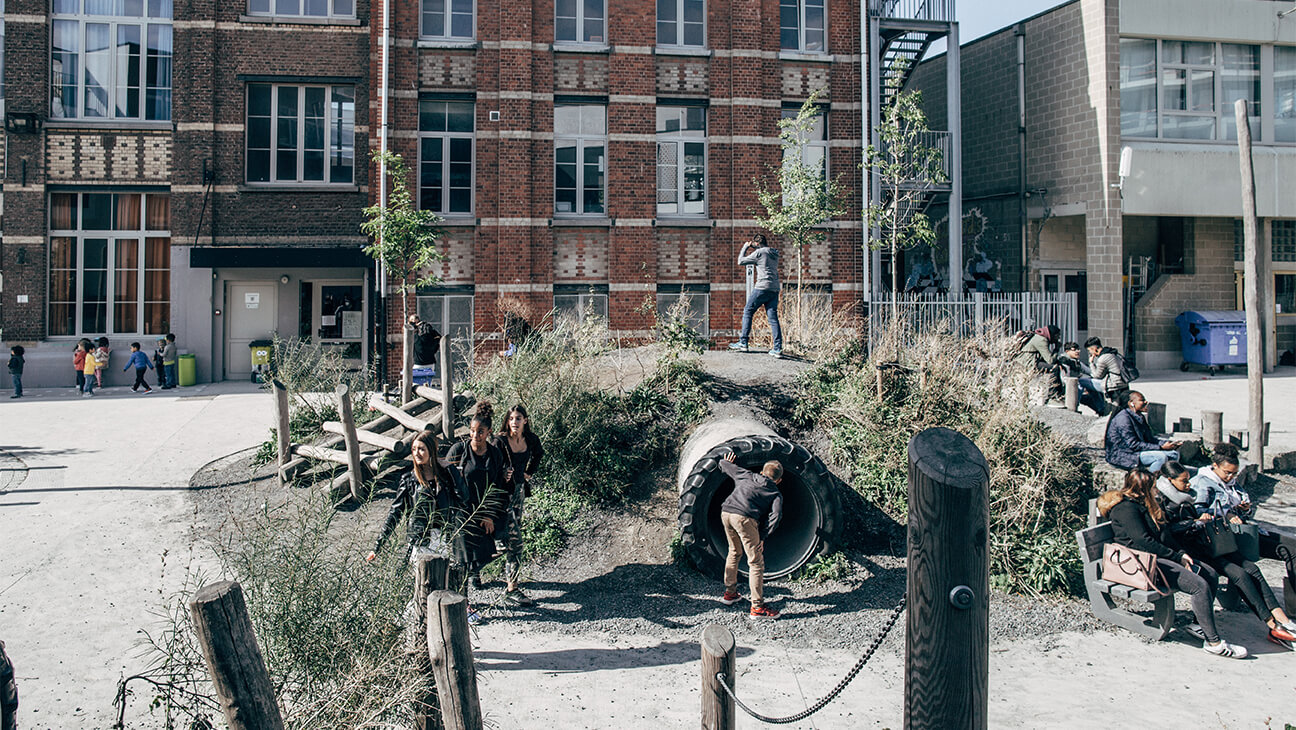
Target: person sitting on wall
(1074, 366)
(1037, 353)
(1107, 367)
(1129, 442)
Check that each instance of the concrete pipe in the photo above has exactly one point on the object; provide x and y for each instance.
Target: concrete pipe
(811, 507)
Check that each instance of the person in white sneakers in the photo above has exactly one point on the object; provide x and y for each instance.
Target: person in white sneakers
(765, 293)
(749, 515)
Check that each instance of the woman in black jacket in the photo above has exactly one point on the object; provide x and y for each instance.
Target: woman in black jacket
(487, 475)
(431, 492)
(1138, 522)
(523, 451)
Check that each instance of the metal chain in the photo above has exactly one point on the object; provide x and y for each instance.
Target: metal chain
(855, 670)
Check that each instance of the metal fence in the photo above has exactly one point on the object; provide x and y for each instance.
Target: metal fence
(940, 10)
(971, 314)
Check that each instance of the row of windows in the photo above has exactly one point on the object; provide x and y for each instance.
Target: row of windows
(1174, 89)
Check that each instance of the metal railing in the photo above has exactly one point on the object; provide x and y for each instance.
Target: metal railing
(974, 313)
(942, 142)
(939, 10)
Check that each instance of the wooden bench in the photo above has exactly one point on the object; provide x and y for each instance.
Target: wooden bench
(1101, 592)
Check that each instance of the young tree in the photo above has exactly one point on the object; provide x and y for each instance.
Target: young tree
(908, 168)
(404, 237)
(806, 197)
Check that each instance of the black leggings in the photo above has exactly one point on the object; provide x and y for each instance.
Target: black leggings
(1200, 583)
(1247, 577)
(139, 379)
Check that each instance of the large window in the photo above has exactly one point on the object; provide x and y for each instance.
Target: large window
(1284, 104)
(580, 159)
(801, 25)
(302, 8)
(681, 161)
(111, 59)
(446, 156)
(580, 307)
(815, 149)
(300, 134)
(681, 23)
(580, 21)
(452, 316)
(1186, 89)
(693, 305)
(448, 19)
(110, 264)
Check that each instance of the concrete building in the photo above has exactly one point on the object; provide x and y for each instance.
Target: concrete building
(1051, 102)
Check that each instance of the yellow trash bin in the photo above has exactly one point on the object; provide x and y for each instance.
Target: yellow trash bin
(188, 367)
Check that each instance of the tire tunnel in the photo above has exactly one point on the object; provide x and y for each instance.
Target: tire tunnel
(811, 508)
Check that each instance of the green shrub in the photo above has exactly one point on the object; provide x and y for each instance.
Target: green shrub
(1037, 484)
(834, 566)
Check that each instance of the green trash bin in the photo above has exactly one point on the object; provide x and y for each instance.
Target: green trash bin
(188, 370)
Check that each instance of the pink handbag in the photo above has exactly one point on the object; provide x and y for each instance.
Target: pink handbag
(1133, 568)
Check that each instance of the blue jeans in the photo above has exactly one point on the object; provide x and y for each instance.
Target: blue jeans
(17, 381)
(89, 384)
(762, 298)
(171, 379)
(1154, 459)
(1091, 394)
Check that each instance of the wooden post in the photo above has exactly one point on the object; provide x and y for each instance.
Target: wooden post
(447, 388)
(452, 661)
(282, 422)
(229, 645)
(1156, 415)
(1212, 428)
(352, 443)
(407, 365)
(718, 710)
(430, 575)
(1072, 393)
(947, 662)
(1251, 288)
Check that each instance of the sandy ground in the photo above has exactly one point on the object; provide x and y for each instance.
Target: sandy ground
(93, 495)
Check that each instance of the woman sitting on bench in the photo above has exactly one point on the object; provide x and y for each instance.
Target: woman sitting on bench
(1139, 522)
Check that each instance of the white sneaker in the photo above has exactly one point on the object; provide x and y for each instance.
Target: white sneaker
(1225, 649)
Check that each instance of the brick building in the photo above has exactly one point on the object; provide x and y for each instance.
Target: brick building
(200, 167)
(1044, 197)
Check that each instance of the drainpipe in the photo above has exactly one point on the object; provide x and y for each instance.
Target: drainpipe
(385, 73)
(1020, 32)
(866, 252)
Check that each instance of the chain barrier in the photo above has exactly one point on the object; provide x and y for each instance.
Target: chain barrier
(855, 670)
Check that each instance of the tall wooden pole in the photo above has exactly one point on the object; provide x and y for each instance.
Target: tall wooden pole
(282, 422)
(229, 645)
(447, 388)
(718, 709)
(407, 365)
(452, 660)
(354, 467)
(1251, 288)
(430, 574)
(947, 660)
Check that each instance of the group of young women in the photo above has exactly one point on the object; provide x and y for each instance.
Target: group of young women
(459, 504)
(1167, 514)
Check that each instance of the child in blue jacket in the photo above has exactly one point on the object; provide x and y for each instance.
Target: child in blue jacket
(140, 362)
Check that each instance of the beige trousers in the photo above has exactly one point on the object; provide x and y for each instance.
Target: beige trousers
(743, 534)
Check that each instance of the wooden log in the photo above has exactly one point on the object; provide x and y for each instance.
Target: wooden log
(411, 422)
(447, 388)
(947, 661)
(431, 394)
(354, 467)
(452, 661)
(319, 453)
(1212, 428)
(1072, 393)
(282, 423)
(394, 445)
(1251, 286)
(430, 575)
(407, 365)
(718, 710)
(238, 671)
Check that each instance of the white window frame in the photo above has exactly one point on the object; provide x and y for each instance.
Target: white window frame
(80, 236)
(700, 317)
(587, 303)
(580, 26)
(679, 24)
(1223, 111)
(448, 22)
(331, 144)
(582, 141)
(801, 28)
(112, 87)
(445, 137)
(270, 9)
(460, 332)
(679, 139)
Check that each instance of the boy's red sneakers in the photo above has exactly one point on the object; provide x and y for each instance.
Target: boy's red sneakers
(763, 612)
(730, 598)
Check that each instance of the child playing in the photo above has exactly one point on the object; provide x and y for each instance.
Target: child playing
(101, 354)
(169, 361)
(16, 369)
(157, 362)
(140, 362)
(78, 362)
(88, 370)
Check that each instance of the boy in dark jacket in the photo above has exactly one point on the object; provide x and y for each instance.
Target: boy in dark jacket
(157, 362)
(16, 363)
(140, 362)
(749, 515)
(1129, 442)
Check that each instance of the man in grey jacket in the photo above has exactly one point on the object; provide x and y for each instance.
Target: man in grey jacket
(764, 294)
(749, 515)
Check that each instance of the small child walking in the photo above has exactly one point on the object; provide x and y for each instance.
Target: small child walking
(16, 363)
(88, 370)
(101, 354)
(140, 362)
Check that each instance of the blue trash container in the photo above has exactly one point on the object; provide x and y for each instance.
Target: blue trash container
(1213, 339)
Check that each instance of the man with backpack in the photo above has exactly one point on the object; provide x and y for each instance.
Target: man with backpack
(1110, 369)
(1036, 352)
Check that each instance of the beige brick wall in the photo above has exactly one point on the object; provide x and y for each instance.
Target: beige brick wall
(1061, 244)
(1210, 288)
(580, 257)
